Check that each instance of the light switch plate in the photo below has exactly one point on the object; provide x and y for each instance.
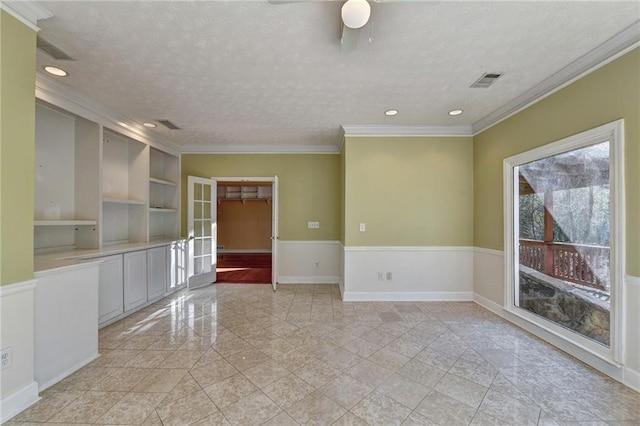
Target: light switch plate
(363, 227)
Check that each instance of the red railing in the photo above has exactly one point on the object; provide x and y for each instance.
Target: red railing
(580, 264)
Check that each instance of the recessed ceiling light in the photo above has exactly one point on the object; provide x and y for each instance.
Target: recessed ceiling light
(149, 124)
(391, 112)
(58, 72)
(455, 112)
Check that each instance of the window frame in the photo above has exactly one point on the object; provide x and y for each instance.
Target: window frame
(614, 133)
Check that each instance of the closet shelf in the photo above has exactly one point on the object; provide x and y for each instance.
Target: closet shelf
(162, 181)
(123, 201)
(69, 222)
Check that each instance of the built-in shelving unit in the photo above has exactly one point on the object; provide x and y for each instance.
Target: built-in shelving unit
(164, 201)
(66, 208)
(97, 186)
(125, 162)
(244, 193)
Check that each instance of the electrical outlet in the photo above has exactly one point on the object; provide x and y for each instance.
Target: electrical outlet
(363, 227)
(313, 225)
(380, 276)
(389, 276)
(5, 358)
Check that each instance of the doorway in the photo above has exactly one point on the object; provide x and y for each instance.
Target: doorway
(248, 249)
(244, 217)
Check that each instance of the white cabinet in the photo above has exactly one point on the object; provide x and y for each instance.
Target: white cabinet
(111, 292)
(135, 279)
(156, 272)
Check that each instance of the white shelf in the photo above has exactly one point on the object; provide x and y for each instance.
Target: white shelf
(162, 182)
(123, 201)
(162, 210)
(70, 222)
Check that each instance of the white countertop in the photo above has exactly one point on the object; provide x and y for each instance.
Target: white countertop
(67, 260)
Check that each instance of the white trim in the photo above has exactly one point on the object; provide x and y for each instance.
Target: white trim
(614, 133)
(408, 248)
(27, 12)
(488, 251)
(285, 242)
(386, 130)
(8, 290)
(631, 378)
(629, 280)
(620, 44)
(309, 280)
(260, 149)
(488, 304)
(18, 401)
(67, 372)
(244, 251)
(407, 296)
(62, 96)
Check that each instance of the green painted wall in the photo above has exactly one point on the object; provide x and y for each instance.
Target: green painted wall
(308, 187)
(409, 191)
(17, 148)
(606, 95)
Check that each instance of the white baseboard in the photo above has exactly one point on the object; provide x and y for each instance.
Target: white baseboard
(18, 401)
(308, 280)
(488, 304)
(404, 296)
(68, 372)
(632, 379)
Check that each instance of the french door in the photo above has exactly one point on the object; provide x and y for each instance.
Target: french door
(202, 232)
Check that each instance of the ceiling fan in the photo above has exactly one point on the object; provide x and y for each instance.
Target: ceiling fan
(355, 15)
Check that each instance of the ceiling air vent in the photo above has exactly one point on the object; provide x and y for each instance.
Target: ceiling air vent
(168, 124)
(52, 50)
(486, 80)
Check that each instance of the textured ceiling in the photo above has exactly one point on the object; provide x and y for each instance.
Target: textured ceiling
(252, 73)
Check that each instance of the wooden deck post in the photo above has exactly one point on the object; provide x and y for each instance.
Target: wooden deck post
(548, 232)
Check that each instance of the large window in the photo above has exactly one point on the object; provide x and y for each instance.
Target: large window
(563, 238)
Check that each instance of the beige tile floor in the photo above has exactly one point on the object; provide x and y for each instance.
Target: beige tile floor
(243, 355)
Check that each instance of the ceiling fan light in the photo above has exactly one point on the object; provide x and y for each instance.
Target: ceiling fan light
(356, 13)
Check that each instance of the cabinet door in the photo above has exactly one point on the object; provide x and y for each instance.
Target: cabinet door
(177, 265)
(110, 290)
(135, 279)
(157, 272)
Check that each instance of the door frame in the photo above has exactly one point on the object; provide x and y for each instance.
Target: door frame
(274, 215)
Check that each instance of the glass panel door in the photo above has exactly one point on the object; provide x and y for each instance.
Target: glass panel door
(201, 225)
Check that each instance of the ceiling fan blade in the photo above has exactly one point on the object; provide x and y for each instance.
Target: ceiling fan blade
(349, 39)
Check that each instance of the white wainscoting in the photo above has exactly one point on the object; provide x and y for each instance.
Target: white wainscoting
(632, 323)
(66, 321)
(309, 262)
(417, 273)
(488, 274)
(18, 389)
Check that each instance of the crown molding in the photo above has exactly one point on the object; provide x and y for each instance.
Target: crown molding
(383, 130)
(623, 42)
(260, 149)
(26, 11)
(61, 95)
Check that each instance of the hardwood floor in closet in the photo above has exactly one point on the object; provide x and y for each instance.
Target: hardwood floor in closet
(254, 268)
